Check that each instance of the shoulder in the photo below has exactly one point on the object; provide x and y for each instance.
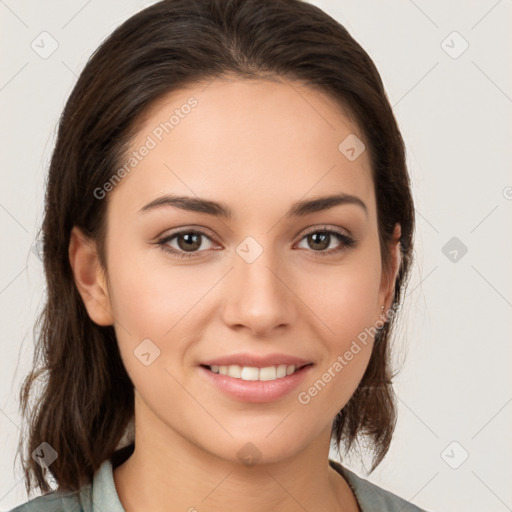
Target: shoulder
(102, 492)
(372, 497)
(56, 501)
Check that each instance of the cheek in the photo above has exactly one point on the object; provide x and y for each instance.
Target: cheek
(156, 301)
(345, 301)
(347, 351)
(151, 296)
(344, 298)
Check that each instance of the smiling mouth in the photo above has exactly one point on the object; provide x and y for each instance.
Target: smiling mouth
(267, 373)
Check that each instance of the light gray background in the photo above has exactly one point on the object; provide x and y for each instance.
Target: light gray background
(455, 116)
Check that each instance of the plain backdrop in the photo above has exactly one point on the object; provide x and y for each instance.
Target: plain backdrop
(446, 68)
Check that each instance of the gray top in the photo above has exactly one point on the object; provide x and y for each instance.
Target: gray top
(101, 495)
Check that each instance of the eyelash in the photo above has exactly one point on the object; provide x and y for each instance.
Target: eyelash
(347, 243)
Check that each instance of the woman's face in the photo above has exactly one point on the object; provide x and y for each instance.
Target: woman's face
(263, 287)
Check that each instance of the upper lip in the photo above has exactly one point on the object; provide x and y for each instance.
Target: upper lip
(256, 361)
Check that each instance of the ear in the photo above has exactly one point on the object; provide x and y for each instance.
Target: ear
(90, 277)
(387, 288)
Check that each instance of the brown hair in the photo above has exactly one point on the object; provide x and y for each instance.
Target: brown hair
(87, 398)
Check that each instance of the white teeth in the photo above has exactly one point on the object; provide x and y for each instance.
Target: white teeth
(252, 373)
(281, 371)
(235, 371)
(268, 373)
(249, 373)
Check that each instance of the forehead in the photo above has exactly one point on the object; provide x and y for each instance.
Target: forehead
(244, 141)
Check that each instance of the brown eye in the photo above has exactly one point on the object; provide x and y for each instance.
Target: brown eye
(189, 241)
(320, 240)
(187, 245)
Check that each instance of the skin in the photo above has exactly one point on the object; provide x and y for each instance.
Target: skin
(258, 146)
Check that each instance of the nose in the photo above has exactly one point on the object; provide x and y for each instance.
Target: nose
(259, 297)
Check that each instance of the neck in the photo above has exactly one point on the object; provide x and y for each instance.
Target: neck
(168, 473)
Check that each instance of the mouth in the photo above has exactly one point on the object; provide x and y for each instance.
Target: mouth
(253, 373)
(256, 384)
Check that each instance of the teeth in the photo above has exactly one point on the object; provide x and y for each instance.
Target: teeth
(268, 373)
(249, 373)
(235, 371)
(281, 371)
(252, 373)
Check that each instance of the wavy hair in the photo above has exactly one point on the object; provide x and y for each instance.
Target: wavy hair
(85, 402)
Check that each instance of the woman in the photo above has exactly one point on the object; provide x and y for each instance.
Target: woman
(227, 235)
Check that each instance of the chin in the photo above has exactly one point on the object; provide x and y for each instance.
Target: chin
(259, 447)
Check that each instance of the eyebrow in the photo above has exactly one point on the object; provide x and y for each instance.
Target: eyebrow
(218, 209)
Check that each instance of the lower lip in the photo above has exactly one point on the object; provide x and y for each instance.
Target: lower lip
(256, 391)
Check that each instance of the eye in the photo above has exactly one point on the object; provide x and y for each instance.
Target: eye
(188, 241)
(321, 239)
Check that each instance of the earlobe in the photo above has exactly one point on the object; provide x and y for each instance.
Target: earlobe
(89, 277)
